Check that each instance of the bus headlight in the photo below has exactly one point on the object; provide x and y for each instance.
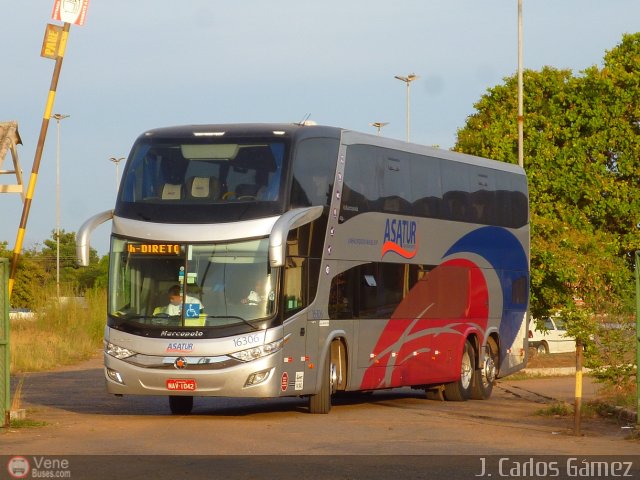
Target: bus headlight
(117, 351)
(258, 352)
(115, 376)
(258, 377)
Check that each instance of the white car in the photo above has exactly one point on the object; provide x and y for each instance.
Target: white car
(553, 340)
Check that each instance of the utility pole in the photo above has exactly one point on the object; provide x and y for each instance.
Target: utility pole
(520, 91)
(117, 162)
(408, 79)
(17, 249)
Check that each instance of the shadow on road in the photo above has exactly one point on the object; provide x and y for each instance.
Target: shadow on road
(83, 391)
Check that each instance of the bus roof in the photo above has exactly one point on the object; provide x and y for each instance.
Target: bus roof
(245, 130)
(299, 131)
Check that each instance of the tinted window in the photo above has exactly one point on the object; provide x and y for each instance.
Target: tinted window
(385, 180)
(203, 179)
(313, 172)
(302, 268)
(425, 186)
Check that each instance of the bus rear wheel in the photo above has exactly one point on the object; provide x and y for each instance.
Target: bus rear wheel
(484, 376)
(321, 401)
(460, 390)
(180, 405)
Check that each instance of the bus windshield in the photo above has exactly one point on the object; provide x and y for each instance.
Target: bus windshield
(197, 170)
(190, 285)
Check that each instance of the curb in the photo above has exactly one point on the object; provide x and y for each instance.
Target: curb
(621, 413)
(552, 372)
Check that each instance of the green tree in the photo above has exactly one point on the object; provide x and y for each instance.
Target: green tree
(30, 277)
(582, 156)
(77, 278)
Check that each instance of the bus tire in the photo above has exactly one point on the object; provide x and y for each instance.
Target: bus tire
(460, 390)
(180, 405)
(484, 377)
(321, 401)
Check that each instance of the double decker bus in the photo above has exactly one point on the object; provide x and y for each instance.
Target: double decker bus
(269, 260)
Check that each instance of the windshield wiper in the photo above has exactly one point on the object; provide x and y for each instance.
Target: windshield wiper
(128, 316)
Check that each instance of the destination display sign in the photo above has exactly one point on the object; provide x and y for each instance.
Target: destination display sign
(153, 249)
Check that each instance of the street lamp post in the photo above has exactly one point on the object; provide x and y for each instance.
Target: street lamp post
(117, 162)
(58, 117)
(408, 79)
(379, 125)
(520, 91)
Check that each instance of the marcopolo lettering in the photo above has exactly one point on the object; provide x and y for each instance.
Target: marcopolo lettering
(181, 333)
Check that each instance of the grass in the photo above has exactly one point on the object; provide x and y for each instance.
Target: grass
(62, 334)
(27, 423)
(558, 409)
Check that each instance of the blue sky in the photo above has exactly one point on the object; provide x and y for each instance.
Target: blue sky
(151, 63)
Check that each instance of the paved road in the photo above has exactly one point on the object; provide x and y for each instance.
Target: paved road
(83, 420)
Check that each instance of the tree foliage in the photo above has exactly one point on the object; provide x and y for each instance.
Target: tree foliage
(582, 157)
(37, 268)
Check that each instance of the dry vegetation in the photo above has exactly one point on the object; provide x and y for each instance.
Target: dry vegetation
(60, 334)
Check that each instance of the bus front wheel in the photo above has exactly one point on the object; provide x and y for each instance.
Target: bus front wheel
(180, 405)
(321, 401)
(461, 390)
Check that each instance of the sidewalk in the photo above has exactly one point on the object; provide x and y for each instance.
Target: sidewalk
(559, 384)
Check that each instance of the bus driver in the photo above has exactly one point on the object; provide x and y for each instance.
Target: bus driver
(174, 307)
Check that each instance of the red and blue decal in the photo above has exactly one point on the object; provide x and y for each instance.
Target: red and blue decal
(440, 309)
(400, 237)
(508, 258)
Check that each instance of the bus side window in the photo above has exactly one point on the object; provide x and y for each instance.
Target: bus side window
(341, 299)
(313, 171)
(294, 285)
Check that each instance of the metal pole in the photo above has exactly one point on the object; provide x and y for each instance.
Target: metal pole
(117, 162)
(578, 396)
(58, 212)
(408, 79)
(5, 357)
(408, 110)
(38, 156)
(520, 91)
(58, 117)
(638, 337)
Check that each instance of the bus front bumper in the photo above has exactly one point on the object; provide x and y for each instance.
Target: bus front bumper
(257, 378)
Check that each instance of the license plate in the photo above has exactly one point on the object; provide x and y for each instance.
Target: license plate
(181, 384)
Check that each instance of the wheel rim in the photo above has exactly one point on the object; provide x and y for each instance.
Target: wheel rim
(466, 372)
(333, 378)
(489, 371)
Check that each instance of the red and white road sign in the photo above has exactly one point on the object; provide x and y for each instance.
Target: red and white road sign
(70, 11)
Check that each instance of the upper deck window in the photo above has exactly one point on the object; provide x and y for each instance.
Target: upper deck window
(203, 179)
(188, 172)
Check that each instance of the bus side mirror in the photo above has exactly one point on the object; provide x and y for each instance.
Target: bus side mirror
(290, 220)
(83, 244)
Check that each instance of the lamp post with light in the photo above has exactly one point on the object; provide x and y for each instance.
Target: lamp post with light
(58, 117)
(408, 79)
(117, 162)
(379, 125)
